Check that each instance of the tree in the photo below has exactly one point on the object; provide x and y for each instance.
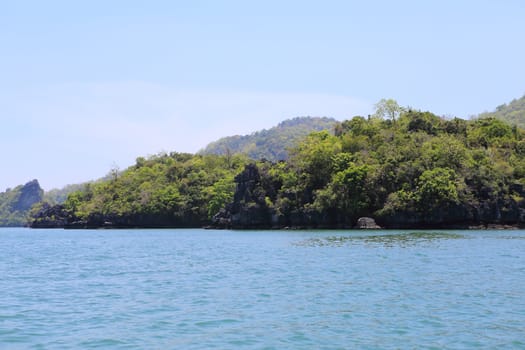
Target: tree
(313, 158)
(423, 121)
(348, 191)
(491, 132)
(388, 108)
(219, 194)
(436, 188)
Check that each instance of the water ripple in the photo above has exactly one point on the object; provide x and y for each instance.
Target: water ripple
(389, 240)
(202, 289)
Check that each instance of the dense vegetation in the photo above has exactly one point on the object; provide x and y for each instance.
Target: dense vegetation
(513, 112)
(165, 190)
(413, 169)
(272, 144)
(16, 203)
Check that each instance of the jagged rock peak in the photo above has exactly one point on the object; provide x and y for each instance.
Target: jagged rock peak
(30, 194)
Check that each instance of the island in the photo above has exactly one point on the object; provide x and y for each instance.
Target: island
(400, 168)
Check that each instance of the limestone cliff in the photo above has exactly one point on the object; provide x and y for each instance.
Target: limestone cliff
(16, 203)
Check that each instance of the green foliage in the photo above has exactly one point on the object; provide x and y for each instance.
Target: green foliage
(348, 192)
(313, 160)
(436, 188)
(421, 166)
(446, 151)
(424, 121)
(388, 108)
(220, 194)
(358, 126)
(162, 190)
(491, 132)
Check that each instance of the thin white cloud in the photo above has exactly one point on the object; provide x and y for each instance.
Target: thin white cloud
(77, 131)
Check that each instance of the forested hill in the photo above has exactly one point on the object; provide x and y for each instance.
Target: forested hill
(413, 170)
(271, 144)
(59, 195)
(513, 112)
(16, 203)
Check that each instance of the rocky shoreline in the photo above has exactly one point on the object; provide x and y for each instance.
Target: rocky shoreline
(57, 217)
(249, 209)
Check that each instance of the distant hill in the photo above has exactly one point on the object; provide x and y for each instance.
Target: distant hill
(16, 203)
(271, 144)
(59, 195)
(513, 112)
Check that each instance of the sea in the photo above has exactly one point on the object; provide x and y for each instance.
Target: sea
(222, 289)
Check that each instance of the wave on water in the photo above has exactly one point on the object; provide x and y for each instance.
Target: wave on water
(390, 240)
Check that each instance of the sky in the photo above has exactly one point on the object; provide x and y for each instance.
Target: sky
(89, 86)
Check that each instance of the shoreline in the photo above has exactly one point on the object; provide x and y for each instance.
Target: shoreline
(489, 226)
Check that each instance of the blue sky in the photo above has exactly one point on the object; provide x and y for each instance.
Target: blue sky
(89, 85)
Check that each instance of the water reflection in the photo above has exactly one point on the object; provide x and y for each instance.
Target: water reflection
(405, 239)
(512, 237)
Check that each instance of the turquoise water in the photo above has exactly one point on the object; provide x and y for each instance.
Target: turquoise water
(205, 289)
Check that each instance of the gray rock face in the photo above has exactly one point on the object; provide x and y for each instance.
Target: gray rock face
(16, 203)
(50, 217)
(248, 209)
(30, 194)
(367, 223)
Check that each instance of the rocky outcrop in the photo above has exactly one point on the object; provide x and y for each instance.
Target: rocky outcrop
(16, 203)
(30, 194)
(50, 216)
(492, 212)
(366, 223)
(97, 220)
(249, 208)
(57, 216)
(259, 203)
(252, 208)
